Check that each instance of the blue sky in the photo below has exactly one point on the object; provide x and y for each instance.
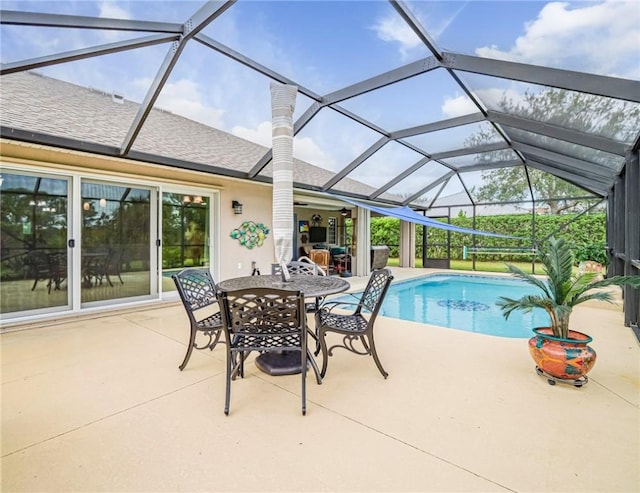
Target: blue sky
(328, 45)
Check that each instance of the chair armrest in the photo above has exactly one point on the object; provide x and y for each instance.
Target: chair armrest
(330, 305)
(339, 304)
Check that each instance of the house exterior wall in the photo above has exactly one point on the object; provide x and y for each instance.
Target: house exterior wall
(228, 257)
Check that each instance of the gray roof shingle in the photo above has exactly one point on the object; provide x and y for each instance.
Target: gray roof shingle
(33, 102)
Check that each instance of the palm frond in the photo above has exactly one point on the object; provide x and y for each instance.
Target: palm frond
(578, 286)
(633, 281)
(562, 291)
(526, 304)
(598, 295)
(558, 262)
(520, 274)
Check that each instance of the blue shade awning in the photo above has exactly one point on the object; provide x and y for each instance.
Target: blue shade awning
(407, 214)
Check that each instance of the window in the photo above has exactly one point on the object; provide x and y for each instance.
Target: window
(332, 231)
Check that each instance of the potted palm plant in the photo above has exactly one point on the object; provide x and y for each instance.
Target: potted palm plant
(561, 354)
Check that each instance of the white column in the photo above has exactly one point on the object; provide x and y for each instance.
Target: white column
(407, 244)
(283, 104)
(363, 239)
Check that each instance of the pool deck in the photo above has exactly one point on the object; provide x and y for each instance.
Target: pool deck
(98, 404)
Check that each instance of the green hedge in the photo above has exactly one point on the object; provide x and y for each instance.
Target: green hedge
(586, 234)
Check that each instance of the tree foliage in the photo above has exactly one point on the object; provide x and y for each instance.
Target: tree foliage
(583, 112)
(585, 234)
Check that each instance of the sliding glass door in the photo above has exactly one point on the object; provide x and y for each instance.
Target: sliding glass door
(71, 242)
(116, 244)
(186, 233)
(34, 274)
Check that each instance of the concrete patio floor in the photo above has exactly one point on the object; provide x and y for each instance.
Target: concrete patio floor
(98, 404)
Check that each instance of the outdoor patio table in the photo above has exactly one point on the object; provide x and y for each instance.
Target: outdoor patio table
(286, 362)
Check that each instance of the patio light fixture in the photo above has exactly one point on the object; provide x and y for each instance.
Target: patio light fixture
(237, 207)
(344, 212)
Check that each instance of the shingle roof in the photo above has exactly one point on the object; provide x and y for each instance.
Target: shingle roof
(37, 103)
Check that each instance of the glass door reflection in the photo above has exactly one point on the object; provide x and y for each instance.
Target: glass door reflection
(115, 246)
(185, 234)
(33, 217)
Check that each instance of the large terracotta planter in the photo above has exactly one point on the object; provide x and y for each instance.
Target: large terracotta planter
(566, 360)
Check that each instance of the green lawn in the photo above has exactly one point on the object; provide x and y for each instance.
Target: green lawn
(480, 265)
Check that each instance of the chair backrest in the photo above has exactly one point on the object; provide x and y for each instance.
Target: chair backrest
(264, 318)
(374, 293)
(379, 256)
(320, 257)
(307, 260)
(297, 267)
(196, 288)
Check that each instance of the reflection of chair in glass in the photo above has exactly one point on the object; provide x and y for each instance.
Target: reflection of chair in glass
(354, 326)
(197, 291)
(264, 320)
(38, 268)
(57, 269)
(50, 267)
(116, 259)
(95, 268)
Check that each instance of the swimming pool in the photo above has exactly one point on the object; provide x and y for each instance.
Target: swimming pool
(464, 302)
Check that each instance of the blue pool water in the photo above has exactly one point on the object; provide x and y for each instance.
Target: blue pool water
(463, 302)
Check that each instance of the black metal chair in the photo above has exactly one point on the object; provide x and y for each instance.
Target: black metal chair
(302, 268)
(354, 326)
(264, 320)
(305, 267)
(197, 291)
(297, 267)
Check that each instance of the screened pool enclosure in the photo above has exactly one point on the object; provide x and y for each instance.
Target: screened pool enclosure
(430, 105)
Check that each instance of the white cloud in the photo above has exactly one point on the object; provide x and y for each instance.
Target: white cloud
(184, 97)
(394, 29)
(458, 106)
(601, 38)
(112, 10)
(462, 105)
(305, 148)
(260, 135)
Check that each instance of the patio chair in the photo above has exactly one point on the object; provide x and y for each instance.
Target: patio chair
(379, 256)
(304, 266)
(321, 258)
(264, 320)
(354, 326)
(307, 260)
(197, 291)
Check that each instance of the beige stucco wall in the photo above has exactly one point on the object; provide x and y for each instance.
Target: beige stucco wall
(235, 259)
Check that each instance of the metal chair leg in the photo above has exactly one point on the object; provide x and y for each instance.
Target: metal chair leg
(192, 343)
(374, 353)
